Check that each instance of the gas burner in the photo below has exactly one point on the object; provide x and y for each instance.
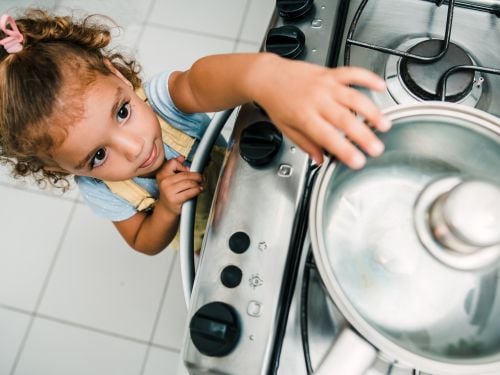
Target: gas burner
(422, 79)
(409, 81)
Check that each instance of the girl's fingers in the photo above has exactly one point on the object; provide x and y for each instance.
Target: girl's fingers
(172, 166)
(359, 103)
(171, 179)
(315, 152)
(187, 194)
(322, 132)
(183, 185)
(355, 130)
(351, 75)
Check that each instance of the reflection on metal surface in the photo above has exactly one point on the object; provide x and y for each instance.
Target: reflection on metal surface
(390, 288)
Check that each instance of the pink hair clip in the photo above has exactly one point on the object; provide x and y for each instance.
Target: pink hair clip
(12, 42)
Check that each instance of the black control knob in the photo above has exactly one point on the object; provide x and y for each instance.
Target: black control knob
(231, 276)
(239, 242)
(287, 41)
(215, 329)
(290, 9)
(259, 143)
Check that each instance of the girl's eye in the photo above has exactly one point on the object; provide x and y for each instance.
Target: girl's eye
(123, 112)
(98, 158)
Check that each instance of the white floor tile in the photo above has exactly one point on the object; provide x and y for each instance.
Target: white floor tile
(163, 49)
(247, 47)
(129, 17)
(161, 362)
(171, 326)
(257, 20)
(215, 17)
(29, 184)
(31, 226)
(13, 327)
(100, 282)
(15, 6)
(59, 349)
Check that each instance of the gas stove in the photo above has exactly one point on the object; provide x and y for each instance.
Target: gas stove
(258, 305)
(419, 45)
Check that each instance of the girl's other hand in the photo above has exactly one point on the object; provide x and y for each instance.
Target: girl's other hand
(177, 184)
(314, 106)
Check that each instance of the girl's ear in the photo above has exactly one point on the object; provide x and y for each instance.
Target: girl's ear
(117, 73)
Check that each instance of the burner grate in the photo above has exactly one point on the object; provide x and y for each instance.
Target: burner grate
(443, 81)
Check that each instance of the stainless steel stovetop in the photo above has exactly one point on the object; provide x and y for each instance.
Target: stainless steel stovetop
(244, 314)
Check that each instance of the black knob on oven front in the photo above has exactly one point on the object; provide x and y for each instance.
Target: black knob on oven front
(293, 8)
(286, 41)
(259, 143)
(215, 329)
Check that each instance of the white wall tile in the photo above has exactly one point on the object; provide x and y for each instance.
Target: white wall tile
(100, 282)
(13, 327)
(215, 17)
(31, 226)
(59, 349)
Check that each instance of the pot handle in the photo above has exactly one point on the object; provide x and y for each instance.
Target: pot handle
(348, 355)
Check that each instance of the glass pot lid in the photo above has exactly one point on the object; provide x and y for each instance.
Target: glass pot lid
(415, 277)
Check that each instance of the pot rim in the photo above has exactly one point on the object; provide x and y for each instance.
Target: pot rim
(385, 345)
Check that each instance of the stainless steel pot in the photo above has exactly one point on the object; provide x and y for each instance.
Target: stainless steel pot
(409, 247)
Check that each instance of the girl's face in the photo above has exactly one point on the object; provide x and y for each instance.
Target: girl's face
(117, 138)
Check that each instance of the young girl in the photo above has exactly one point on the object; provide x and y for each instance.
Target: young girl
(68, 107)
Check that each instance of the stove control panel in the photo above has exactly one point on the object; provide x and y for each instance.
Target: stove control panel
(237, 290)
(236, 303)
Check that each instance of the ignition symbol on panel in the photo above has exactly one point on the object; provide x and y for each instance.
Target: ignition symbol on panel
(255, 281)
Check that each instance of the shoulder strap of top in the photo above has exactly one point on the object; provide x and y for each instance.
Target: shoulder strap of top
(132, 192)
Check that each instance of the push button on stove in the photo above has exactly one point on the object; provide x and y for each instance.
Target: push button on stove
(239, 242)
(231, 276)
(254, 308)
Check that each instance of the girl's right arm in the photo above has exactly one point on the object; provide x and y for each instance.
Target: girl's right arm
(151, 233)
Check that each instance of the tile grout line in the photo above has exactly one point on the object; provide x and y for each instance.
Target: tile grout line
(242, 25)
(143, 24)
(37, 192)
(84, 327)
(158, 314)
(199, 33)
(44, 286)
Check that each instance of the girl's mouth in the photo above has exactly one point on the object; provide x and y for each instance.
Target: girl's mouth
(151, 158)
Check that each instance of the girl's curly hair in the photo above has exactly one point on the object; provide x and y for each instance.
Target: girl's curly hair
(39, 87)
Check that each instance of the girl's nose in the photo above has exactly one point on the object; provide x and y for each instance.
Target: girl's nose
(131, 145)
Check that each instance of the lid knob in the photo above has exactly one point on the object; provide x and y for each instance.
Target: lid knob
(458, 222)
(467, 218)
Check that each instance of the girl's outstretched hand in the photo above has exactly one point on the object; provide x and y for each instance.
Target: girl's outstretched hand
(313, 106)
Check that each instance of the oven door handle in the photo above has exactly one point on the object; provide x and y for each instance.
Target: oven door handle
(186, 225)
